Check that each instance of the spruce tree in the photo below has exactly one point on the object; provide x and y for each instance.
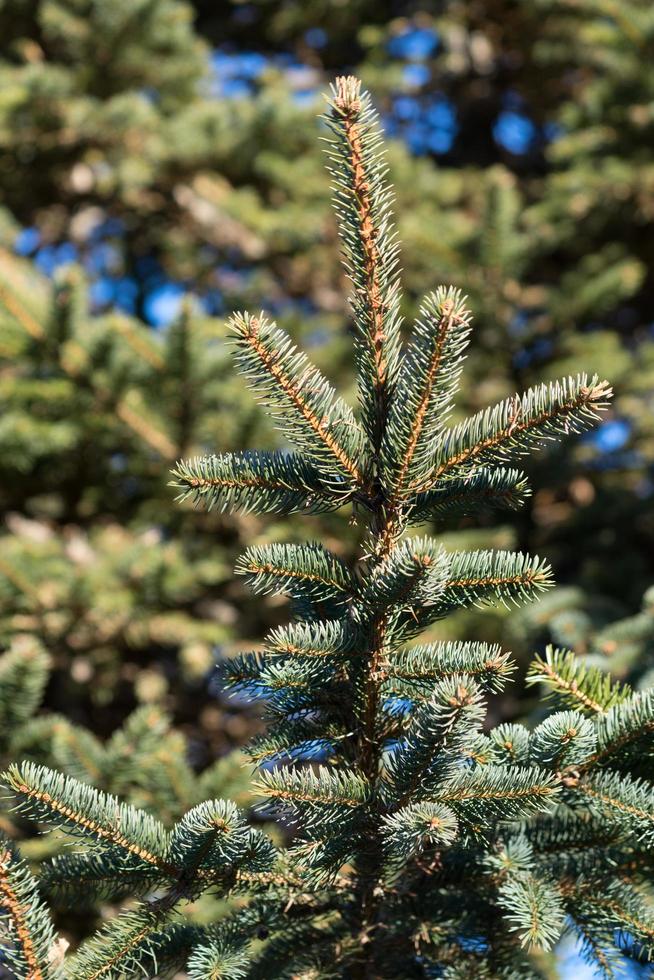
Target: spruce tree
(126, 593)
(422, 845)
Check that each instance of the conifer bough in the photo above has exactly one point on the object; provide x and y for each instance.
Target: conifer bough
(424, 846)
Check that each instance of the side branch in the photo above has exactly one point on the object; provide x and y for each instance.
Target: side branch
(18, 913)
(423, 398)
(520, 424)
(84, 810)
(270, 359)
(445, 323)
(28, 933)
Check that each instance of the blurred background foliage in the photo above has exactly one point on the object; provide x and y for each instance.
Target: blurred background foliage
(159, 168)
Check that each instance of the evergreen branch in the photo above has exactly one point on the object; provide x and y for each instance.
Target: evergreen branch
(435, 737)
(518, 425)
(599, 915)
(135, 942)
(414, 827)
(480, 751)
(573, 843)
(625, 730)
(259, 483)
(427, 664)
(134, 420)
(455, 961)
(148, 760)
(428, 379)
(228, 945)
(29, 934)
(329, 638)
(572, 830)
(534, 908)
(99, 876)
(481, 578)
(299, 570)
(413, 572)
(324, 798)
(593, 948)
(493, 793)
(218, 960)
(512, 856)
(363, 199)
(301, 950)
(566, 738)
(142, 341)
(303, 702)
(49, 797)
(213, 837)
(303, 738)
(306, 786)
(244, 671)
(418, 829)
(306, 406)
(77, 751)
(494, 576)
(19, 312)
(480, 489)
(511, 743)
(138, 744)
(284, 683)
(622, 907)
(587, 689)
(620, 798)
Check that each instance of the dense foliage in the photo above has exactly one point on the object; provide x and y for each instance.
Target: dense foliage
(423, 845)
(159, 169)
(522, 152)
